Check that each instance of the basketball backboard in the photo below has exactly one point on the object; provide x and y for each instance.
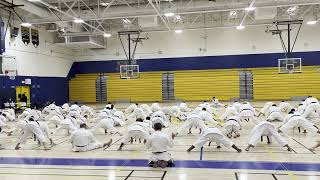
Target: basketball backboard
(289, 65)
(129, 71)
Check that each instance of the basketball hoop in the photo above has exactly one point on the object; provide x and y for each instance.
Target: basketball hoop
(129, 71)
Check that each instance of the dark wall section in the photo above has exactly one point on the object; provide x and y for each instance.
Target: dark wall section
(42, 89)
(197, 63)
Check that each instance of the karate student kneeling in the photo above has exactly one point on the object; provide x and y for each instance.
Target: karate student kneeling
(137, 130)
(83, 140)
(159, 143)
(213, 134)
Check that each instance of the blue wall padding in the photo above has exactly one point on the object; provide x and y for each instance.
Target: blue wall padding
(197, 63)
(42, 89)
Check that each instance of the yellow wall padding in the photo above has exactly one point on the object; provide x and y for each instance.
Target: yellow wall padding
(146, 88)
(83, 88)
(270, 85)
(203, 85)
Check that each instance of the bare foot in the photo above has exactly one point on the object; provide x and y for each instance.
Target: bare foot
(107, 144)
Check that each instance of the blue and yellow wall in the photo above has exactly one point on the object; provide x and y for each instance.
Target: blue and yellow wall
(199, 78)
(42, 89)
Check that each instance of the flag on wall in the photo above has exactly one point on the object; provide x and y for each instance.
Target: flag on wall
(35, 37)
(25, 35)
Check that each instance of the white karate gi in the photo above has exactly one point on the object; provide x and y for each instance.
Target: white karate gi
(232, 125)
(312, 108)
(25, 113)
(184, 107)
(230, 111)
(247, 112)
(155, 107)
(159, 114)
(274, 113)
(177, 113)
(212, 134)
(296, 120)
(265, 128)
(137, 130)
(119, 118)
(68, 123)
(146, 109)
(83, 140)
(86, 110)
(159, 143)
(192, 120)
(237, 105)
(8, 115)
(65, 108)
(285, 107)
(265, 108)
(130, 109)
(137, 113)
(32, 127)
(160, 120)
(106, 122)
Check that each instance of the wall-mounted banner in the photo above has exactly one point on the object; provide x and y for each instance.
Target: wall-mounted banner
(35, 37)
(25, 35)
(3, 37)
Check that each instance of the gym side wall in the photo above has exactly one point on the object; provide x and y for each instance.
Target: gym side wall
(43, 89)
(199, 78)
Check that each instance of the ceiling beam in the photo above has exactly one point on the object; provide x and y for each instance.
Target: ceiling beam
(159, 14)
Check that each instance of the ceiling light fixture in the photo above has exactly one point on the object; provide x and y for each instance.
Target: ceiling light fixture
(178, 17)
(312, 22)
(107, 35)
(249, 8)
(78, 21)
(104, 4)
(127, 21)
(178, 31)
(25, 24)
(169, 14)
(240, 27)
(34, 0)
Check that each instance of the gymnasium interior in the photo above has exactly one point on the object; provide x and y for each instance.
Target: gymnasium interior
(179, 57)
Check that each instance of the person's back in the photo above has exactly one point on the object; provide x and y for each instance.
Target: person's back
(81, 137)
(159, 142)
(137, 126)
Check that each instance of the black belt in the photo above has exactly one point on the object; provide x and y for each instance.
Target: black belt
(158, 152)
(232, 120)
(313, 102)
(246, 109)
(81, 146)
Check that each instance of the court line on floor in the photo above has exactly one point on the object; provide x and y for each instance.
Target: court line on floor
(113, 143)
(274, 177)
(278, 174)
(65, 168)
(129, 175)
(303, 145)
(254, 165)
(53, 174)
(163, 175)
(236, 175)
